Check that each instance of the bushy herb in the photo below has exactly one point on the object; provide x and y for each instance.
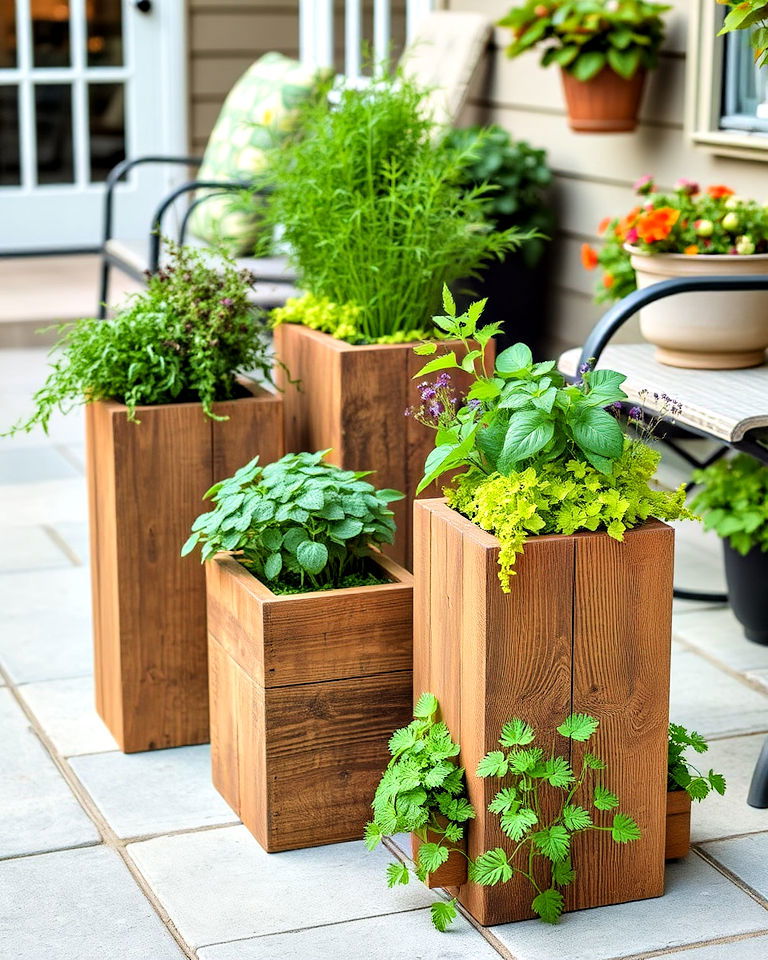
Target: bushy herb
(341, 321)
(183, 339)
(297, 522)
(733, 501)
(749, 15)
(422, 791)
(586, 36)
(373, 211)
(527, 773)
(681, 773)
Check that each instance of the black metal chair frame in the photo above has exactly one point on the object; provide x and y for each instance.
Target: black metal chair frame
(596, 342)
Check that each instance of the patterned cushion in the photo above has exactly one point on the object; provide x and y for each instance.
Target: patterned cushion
(259, 111)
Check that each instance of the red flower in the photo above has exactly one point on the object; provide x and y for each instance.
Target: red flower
(603, 225)
(717, 191)
(588, 257)
(657, 224)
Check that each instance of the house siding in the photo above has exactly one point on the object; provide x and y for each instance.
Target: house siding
(594, 173)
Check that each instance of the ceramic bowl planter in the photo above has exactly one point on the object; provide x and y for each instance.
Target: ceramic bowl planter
(605, 104)
(145, 483)
(678, 833)
(704, 331)
(305, 690)
(586, 627)
(747, 577)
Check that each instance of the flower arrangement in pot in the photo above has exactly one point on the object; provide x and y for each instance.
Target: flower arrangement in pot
(733, 501)
(604, 49)
(167, 409)
(683, 233)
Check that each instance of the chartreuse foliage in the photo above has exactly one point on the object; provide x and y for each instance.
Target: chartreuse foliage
(299, 522)
(529, 775)
(538, 455)
(733, 501)
(422, 791)
(749, 15)
(681, 773)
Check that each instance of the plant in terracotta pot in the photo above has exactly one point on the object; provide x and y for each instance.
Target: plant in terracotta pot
(604, 49)
(733, 501)
(683, 233)
(685, 783)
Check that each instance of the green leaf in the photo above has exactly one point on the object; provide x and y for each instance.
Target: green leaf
(717, 782)
(443, 913)
(504, 800)
(524, 760)
(346, 529)
(273, 565)
(493, 764)
(554, 842)
(557, 772)
(593, 762)
(401, 740)
(312, 556)
(426, 706)
(515, 359)
(529, 431)
(444, 362)
(453, 832)
(698, 788)
(397, 873)
(432, 856)
(457, 808)
(516, 733)
(449, 304)
(563, 872)
(490, 868)
(624, 62)
(578, 726)
(576, 817)
(588, 65)
(597, 431)
(271, 539)
(604, 799)
(311, 500)
(425, 349)
(189, 544)
(624, 829)
(516, 823)
(373, 835)
(548, 905)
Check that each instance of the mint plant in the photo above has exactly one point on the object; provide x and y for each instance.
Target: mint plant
(733, 501)
(422, 791)
(681, 773)
(526, 774)
(298, 524)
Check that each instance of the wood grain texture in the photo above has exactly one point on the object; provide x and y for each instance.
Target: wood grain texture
(322, 680)
(146, 483)
(586, 627)
(678, 829)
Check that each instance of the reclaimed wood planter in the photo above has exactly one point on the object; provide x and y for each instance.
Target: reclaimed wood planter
(586, 628)
(305, 691)
(452, 873)
(352, 399)
(678, 833)
(145, 486)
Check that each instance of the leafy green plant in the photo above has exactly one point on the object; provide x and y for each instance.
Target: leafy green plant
(341, 321)
(183, 339)
(586, 36)
(297, 523)
(422, 791)
(749, 15)
(681, 773)
(733, 501)
(373, 210)
(529, 778)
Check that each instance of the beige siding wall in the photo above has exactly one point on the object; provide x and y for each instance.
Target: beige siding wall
(594, 173)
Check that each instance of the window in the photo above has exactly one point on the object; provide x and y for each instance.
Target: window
(745, 87)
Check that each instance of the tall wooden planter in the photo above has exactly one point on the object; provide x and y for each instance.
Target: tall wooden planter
(305, 691)
(352, 399)
(145, 486)
(585, 628)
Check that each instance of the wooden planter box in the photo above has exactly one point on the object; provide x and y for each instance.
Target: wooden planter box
(145, 486)
(352, 399)
(585, 628)
(305, 690)
(678, 833)
(452, 873)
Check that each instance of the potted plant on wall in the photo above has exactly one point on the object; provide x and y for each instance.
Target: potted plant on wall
(685, 783)
(733, 502)
(686, 233)
(310, 646)
(557, 501)
(167, 412)
(375, 219)
(604, 50)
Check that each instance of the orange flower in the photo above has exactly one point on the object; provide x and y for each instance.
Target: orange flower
(692, 250)
(607, 280)
(657, 224)
(628, 222)
(717, 191)
(588, 257)
(603, 225)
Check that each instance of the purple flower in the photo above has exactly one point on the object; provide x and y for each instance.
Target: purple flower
(408, 412)
(443, 380)
(635, 413)
(428, 393)
(474, 404)
(616, 405)
(227, 302)
(583, 368)
(435, 409)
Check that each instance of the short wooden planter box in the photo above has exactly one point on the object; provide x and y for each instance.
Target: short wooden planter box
(305, 690)
(352, 399)
(145, 487)
(452, 873)
(585, 628)
(678, 832)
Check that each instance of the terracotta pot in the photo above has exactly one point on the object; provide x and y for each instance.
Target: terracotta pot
(605, 104)
(704, 331)
(678, 825)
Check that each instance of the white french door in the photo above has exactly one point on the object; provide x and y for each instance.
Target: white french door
(83, 84)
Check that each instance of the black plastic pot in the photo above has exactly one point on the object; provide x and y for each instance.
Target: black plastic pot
(747, 579)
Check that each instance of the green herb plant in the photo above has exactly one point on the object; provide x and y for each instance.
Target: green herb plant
(183, 339)
(733, 501)
(749, 15)
(529, 779)
(681, 773)
(422, 791)
(299, 523)
(587, 36)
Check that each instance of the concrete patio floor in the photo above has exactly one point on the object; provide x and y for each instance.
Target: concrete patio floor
(138, 858)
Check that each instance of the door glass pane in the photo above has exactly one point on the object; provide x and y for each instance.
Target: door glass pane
(106, 113)
(105, 33)
(53, 121)
(7, 33)
(10, 169)
(50, 33)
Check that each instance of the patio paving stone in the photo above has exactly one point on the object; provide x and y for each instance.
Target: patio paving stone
(39, 811)
(699, 904)
(718, 816)
(34, 465)
(46, 502)
(75, 536)
(746, 857)
(754, 948)
(719, 635)
(78, 905)
(403, 936)
(219, 885)
(66, 711)
(154, 792)
(29, 547)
